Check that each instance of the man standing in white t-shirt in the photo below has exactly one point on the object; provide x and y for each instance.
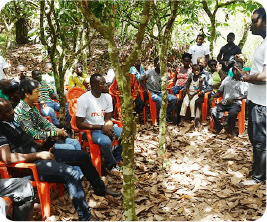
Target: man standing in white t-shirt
(3, 68)
(257, 100)
(199, 50)
(94, 112)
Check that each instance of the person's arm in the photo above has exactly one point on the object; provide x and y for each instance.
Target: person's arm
(7, 157)
(219, 57)
(209, 83)
(81, 124)
(28, 126)
(207, 58)
(258, 79)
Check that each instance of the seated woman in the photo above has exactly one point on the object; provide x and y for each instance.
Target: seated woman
(182, 73)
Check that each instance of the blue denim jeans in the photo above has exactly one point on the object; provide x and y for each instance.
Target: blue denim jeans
(48, 111)
(157, 98)
(54, 105)
(105, 144)
(176, 89)
(61, 171)
(257, 137)
(70, 144)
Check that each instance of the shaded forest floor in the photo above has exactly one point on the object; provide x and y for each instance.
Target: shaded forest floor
(200, 181)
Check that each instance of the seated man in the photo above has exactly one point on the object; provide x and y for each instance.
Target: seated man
(153, 84)
(78, 77)
(21, 73)
(233, 92)
(94, 112)
(52, 165)
(20, 191)
(207, 86)
(47, 105)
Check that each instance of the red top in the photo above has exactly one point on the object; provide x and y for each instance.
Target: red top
(182, 77)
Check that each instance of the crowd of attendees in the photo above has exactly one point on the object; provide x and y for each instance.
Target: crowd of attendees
(197, 75)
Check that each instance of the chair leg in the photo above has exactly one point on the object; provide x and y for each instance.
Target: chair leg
(96, 157)
(45, 199)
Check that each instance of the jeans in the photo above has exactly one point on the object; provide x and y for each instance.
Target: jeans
(70, 144)
(22, 193)
(257, 137)
(176, 89)
(105, 144)
(217, 113)
(48, 111)
(61, 171)
(54, 105)
(157, 98)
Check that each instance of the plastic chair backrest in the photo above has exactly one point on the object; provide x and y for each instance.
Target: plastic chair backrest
(74, 92)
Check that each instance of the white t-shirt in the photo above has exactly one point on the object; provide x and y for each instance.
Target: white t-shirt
(110, 76)
(257, 93)
(94, 109)
(3, 65)
(198, 51)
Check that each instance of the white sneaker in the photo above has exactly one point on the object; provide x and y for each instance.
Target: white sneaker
(116, 170)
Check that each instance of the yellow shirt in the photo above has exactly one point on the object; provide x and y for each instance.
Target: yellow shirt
(77, 81)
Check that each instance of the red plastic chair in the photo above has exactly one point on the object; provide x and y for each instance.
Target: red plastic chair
(240, 116)
(94, 148)
(74, 92)
(114, 92)
(43, 188)
(205, 106)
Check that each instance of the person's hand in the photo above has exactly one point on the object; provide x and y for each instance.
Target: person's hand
(201, 93)
(43, 105)
(62, 132)
(230, 101)
(45, 155)
(109, 131)
(238, 72)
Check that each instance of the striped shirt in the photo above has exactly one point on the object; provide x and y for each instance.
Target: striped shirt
(45, 91)
(32, 122)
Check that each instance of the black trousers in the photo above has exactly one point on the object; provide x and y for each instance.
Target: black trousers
(257, 137)
(217, 113)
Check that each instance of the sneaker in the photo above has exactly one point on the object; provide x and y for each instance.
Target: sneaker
(249, 182)
(116, 170)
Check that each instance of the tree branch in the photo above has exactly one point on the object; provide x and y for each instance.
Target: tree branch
(91, 18)
(140, 35)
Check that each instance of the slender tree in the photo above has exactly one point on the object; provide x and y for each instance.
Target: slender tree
(163, 49)
(121, 69)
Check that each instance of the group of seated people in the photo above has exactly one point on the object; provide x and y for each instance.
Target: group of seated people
(60, 158)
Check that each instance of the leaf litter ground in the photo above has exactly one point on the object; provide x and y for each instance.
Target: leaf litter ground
(200, 182)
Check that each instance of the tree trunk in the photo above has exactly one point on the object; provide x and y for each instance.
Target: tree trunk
(212, 35)
(245, 36)
(84, 52)
(164, 43)
(21, 31)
